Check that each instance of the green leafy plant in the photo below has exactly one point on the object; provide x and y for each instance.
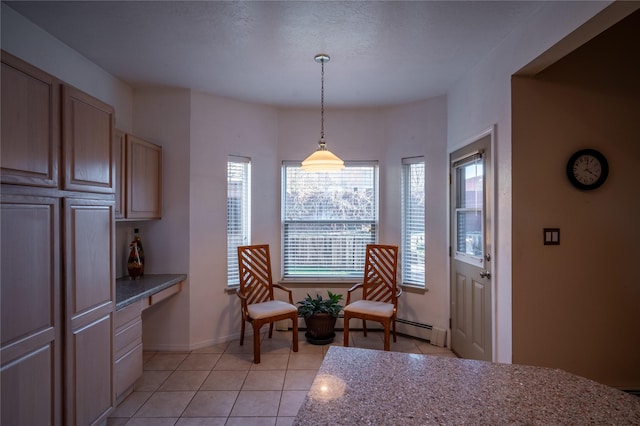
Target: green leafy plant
(318, 305)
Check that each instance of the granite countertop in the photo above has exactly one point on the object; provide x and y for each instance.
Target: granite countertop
(129, 291)
(368, 387)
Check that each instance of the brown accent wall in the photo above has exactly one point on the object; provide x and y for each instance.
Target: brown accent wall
(576, 306)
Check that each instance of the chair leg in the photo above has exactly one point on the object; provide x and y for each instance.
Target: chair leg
(256, 343)
(364, 327)
(295, 333)
(387, 346)
(345, 332)
(242, 332)
(394, 331)
(270, 330)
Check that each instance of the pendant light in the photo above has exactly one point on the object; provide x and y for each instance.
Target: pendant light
(322, 159)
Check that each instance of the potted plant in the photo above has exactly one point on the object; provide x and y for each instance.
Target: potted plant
(320, 317)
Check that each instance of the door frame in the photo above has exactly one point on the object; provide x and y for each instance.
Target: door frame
(491, 185)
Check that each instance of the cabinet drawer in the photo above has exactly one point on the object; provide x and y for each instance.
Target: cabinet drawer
(167, 292)
(127, 337)
(128, 314)
(128, 369)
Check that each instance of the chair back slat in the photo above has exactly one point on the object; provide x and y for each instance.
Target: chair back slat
(380, 269)
(255, 273)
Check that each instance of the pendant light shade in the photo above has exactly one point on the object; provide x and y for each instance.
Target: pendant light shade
(322, 159)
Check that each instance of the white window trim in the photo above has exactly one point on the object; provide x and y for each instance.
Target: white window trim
(326, 279)
(405, 251)
(245, 206)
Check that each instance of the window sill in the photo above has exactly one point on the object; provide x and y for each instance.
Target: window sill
(231, 289)
(413, 288)
(313, 283)
(319, 282)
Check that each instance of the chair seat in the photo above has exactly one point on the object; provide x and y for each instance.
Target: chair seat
(370, 307)
(270, 308)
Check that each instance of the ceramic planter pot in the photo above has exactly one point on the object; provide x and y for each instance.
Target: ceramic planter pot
(320, 328)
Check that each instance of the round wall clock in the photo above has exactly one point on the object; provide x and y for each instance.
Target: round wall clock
(587, 169)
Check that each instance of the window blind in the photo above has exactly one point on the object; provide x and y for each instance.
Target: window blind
(328, 218)
(413, 232)
(238, 212)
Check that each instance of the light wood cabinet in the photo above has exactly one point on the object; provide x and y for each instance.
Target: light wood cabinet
(128, 349)
(140, 173)
(88, 145)
(30, 124)
(144, 179)
(119, 156)
(31, 325)
(149, 291)
(90, 301)
(58, 249)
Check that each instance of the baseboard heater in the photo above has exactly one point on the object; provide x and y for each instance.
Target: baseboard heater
(414, 324)
(434, 335)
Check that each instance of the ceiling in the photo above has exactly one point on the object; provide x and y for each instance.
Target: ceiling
(382, 53)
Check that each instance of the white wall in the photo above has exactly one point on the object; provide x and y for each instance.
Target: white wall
(482, 99)
(221, 127)
(415, 130)
(353, 134)
(162, 116)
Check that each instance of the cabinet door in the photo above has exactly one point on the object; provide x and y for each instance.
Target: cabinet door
(31, 316)
(90, 300)
(30, 124)
(144, 179)
(119, 156)
(88, 143)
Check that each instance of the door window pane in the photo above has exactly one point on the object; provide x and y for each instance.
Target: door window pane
(469, 233)
(469, 206)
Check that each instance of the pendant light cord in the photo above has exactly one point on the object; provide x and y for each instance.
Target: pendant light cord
(322, 101)
(322, 160)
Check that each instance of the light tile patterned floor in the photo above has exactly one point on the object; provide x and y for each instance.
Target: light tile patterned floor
(220, 385)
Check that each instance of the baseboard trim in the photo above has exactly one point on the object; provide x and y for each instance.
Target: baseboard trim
(434, 335)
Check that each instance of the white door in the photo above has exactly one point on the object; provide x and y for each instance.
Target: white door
(471, 307)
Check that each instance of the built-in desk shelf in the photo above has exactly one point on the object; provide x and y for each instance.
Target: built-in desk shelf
(132, 297)
(150, 289)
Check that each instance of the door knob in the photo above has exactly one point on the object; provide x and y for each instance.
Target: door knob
(485, 274)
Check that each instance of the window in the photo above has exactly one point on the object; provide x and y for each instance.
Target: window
(413, 238)
(238, 212)
(328, 219)
(469, 208)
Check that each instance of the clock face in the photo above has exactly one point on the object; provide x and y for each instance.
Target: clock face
(587, 169)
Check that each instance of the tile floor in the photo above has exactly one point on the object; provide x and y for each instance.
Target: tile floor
(220, 385)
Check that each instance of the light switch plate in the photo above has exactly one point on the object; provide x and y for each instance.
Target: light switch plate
(551, 236)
